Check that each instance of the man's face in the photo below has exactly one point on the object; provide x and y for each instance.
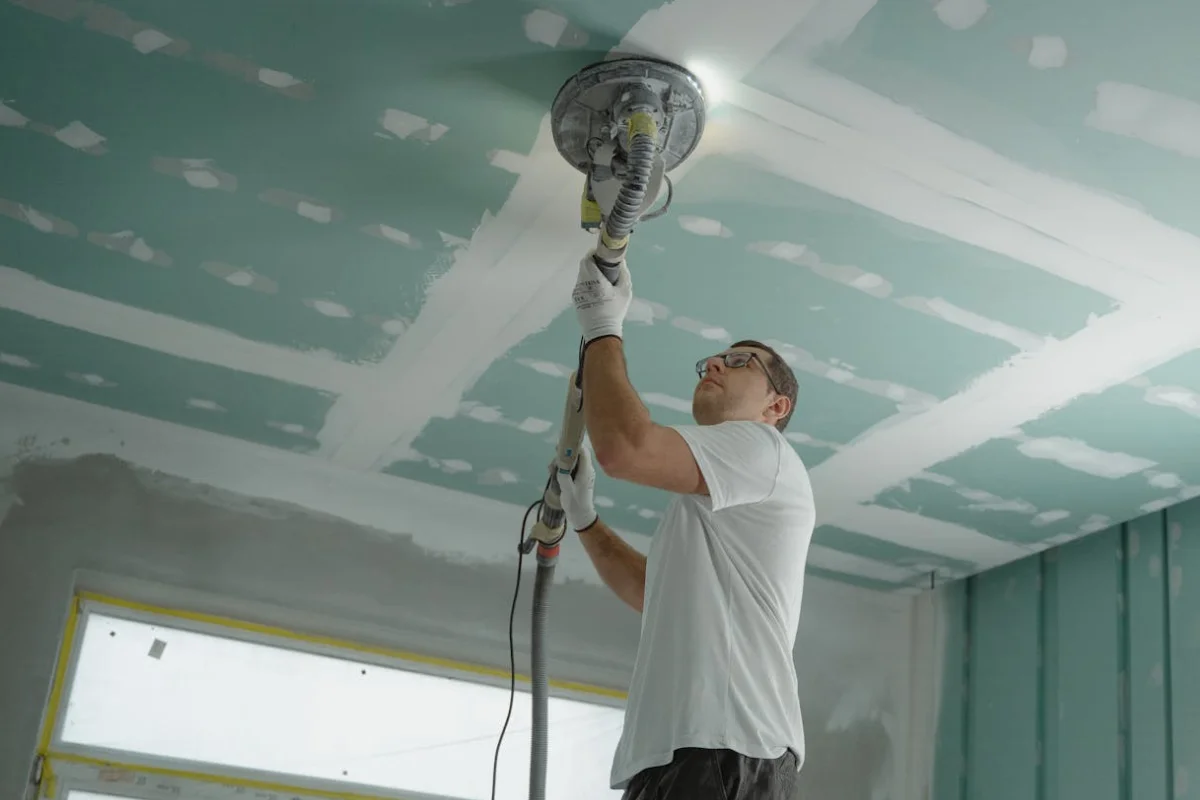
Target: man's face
(731, 392)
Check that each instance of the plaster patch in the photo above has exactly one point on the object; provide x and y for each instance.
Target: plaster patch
(131, 245)
(483, 413)
(199, 173)
(147, 40)
(203, 404)
(969, 320)
(1050, 517)
(546, 367)
(1077, 455)
(394, 327)
(703, 226)
(1047, 52)
(498, 477)
(11, 118)
(667, 401)
(1158, 505)
(80, 137)
(535, 425)
(250, 72)
(701, 329)
(391, 234)
(314, 212)
(1094, 524)
(306, 207)
(13, 360)
(646, 312)
(452, 241)
(800, 437)
(1178, 397)
(986, 501)
(288, 427)
(845, 274)
(1156, 118)
(276, 79)
(1164, 480)
(507, 160)
(39, 220)
(604, 502)
(1188, 492)
(405, 125)
(960, 14)
(329, 308)
(242, 277)
(648, 513)
(544, 27)
(91, 379)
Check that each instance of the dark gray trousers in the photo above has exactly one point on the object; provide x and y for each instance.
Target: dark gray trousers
(699, 774)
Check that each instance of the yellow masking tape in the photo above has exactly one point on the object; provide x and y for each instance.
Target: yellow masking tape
(327, 641)
(206, 777)
(60, 676)
(642, 122)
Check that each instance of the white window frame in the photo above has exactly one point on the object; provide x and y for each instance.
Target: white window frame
(69, 766)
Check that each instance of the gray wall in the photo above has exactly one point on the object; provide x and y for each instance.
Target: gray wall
(112, 527)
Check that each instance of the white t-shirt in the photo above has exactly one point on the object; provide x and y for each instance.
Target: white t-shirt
(724, 580)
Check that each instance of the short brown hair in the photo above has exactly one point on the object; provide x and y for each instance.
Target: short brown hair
(780, 373)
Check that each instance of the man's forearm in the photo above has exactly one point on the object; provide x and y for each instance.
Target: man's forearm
(622, 568)
(612, 411)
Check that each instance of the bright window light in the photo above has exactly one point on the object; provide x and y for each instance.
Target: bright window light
(75, 794)
(161, 691)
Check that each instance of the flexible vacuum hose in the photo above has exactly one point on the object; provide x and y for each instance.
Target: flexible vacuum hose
(539, 742)
(642, 147)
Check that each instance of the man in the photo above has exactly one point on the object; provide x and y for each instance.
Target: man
(713, 710)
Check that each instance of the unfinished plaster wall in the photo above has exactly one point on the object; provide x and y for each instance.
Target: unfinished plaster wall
(101, 522)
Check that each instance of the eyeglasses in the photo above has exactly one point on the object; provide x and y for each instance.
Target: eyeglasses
(738, 358)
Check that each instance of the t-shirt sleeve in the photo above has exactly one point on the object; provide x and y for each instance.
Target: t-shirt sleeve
(739, 460)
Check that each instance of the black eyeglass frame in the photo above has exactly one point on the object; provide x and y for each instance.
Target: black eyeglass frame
(702, 365)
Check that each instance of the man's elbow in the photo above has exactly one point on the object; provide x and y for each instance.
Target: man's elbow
(615, 458)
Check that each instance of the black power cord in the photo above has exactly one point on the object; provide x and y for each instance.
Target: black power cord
(512, 651)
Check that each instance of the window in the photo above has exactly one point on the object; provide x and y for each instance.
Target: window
(169, 693)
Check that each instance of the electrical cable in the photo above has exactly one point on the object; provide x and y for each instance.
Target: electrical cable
(512, 650)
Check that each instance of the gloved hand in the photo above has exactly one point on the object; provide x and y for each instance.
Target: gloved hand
(600, 305)
(577, 495)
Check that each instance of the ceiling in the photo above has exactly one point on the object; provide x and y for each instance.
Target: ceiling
(342, 231)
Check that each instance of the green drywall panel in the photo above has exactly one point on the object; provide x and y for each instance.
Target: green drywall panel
(1148, 670)
(1113, 698)
(1086, 673)
(1183, 604)
(1002, 748)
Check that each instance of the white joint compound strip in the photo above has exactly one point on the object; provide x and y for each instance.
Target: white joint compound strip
(1106, 353)
(456, 525)
(27, 295)
(1156, 118)
(922, 533)
(861, 146)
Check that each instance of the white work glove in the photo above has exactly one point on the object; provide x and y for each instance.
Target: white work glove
(577, 495)
(600, 305)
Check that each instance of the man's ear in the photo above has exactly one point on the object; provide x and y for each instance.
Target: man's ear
(779, 406)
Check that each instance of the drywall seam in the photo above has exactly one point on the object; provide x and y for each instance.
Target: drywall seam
(28, 295)
(488, 301)
(462, 526)
(809, 149)
(1126, 248)
(1107, 352)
